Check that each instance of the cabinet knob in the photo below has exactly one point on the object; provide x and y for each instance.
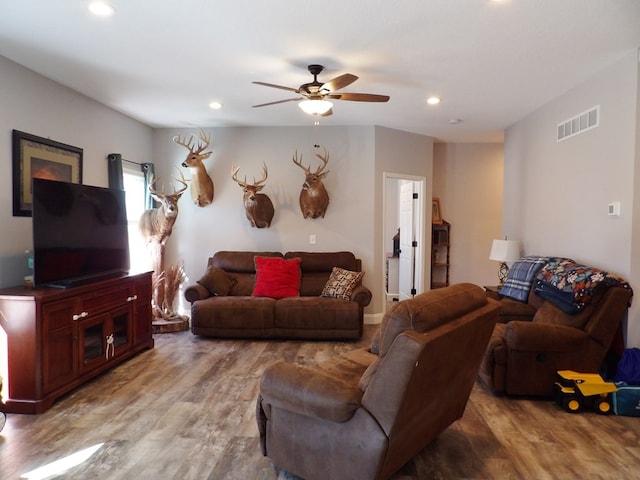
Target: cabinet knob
(78, 316)
(132, 298)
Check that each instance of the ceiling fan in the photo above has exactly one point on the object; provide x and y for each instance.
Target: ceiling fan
(315, 95)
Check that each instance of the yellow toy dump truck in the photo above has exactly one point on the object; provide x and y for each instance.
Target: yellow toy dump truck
(575, 391)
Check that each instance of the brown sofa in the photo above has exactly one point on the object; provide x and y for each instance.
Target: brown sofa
(235, 313)
(534, 339)
(362, 415)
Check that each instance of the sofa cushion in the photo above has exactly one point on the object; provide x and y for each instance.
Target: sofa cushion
(341, 283)
(311, 316)
(217, 281)
(277, 278)
(316, 268)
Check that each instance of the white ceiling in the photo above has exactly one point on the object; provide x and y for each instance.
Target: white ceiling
(162, 62)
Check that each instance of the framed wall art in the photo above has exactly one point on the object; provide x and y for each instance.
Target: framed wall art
(436, 213)
(36, 157)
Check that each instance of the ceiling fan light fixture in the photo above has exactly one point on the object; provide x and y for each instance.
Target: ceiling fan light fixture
(315, 107)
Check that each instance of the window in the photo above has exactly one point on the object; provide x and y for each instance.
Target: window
(133, 179)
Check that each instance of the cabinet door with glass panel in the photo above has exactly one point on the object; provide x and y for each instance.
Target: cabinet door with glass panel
(104, 337)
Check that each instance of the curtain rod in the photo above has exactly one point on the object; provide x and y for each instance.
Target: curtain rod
(131, 161)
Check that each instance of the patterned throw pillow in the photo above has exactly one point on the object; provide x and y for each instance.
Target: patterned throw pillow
(341, 283)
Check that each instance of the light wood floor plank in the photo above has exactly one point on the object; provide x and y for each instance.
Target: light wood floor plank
(186, 411)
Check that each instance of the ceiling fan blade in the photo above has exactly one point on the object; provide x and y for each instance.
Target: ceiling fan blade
(276, 86)
(278, 101)
(359, 97)
(339, 82)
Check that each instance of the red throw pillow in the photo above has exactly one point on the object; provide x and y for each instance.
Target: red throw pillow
(277, 277)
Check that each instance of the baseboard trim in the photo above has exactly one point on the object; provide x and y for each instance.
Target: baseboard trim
(373, 318)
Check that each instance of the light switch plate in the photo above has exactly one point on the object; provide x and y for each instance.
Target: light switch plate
(613, 209)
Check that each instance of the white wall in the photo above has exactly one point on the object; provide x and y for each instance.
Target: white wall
(351, 221)
(33, 104)
(358, 158)
(407, 155)
(468, 179)
(556, 194)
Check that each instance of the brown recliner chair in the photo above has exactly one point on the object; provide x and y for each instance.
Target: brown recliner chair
(523, 356)
(363, 416)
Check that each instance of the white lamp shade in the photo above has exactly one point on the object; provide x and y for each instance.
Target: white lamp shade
(505, 250)
(315, 107)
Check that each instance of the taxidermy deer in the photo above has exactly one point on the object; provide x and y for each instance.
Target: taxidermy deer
(314, 198)
(257, 206)
(156, 224)
(201, 183)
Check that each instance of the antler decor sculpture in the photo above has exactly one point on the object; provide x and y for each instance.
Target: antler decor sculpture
(314, 198)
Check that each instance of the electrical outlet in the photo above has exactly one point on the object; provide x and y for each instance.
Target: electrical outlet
(312, 239)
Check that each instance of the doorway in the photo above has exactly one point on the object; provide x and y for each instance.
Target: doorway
(404, 209)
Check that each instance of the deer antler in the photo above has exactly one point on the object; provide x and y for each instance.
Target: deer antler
(182, 181)
(203, 142)
(299, 162)
(265, 174)
(152, 189)
(175, 192)
(234, 176)
(325, 159)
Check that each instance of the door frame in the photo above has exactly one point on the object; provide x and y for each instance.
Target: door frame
(422, 269)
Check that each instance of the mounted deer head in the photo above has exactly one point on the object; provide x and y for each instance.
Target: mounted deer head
(314, 198)
(156, 224)
(201, 183)
(257, 206)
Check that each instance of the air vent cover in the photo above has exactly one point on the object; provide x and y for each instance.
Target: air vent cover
(578, 124)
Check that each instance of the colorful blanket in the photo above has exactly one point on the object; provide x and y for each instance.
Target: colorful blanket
(520, 278)
(572, 286)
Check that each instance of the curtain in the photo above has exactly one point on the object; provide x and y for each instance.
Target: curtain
(116, 177)
(147, 169)
(115, 171)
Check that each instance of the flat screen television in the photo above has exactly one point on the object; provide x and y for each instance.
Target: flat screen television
(79, 233)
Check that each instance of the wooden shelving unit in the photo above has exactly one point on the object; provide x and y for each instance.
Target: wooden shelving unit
(440, 248)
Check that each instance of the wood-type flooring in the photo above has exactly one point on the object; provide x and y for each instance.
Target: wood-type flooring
(186, 410)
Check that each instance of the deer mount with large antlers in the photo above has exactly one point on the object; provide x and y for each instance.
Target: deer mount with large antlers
(201, 183)
(156, 224)
(257, 206)
(314, 198)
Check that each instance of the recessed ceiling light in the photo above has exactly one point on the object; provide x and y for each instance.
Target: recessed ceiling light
(454, 121)
(102, 9)
(215, 105)
(433, 100)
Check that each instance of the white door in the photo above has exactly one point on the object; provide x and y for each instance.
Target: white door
(406, 267)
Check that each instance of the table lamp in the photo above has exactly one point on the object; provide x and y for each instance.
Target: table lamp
(504, 251)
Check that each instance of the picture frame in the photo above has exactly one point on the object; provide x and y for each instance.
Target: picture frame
(40, 158)
(436, 212)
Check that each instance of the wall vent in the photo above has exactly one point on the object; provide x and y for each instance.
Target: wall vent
(579, 124)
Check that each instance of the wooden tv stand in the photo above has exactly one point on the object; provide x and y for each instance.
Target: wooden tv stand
(53, 340)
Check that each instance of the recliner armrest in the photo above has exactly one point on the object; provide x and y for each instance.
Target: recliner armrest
(362, 295)
(536, 337)
(308, 392)
(196, 292)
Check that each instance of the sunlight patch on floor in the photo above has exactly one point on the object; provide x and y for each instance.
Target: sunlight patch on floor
(60, 466)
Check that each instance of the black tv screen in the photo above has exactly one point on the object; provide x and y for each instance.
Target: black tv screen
(79, 233)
